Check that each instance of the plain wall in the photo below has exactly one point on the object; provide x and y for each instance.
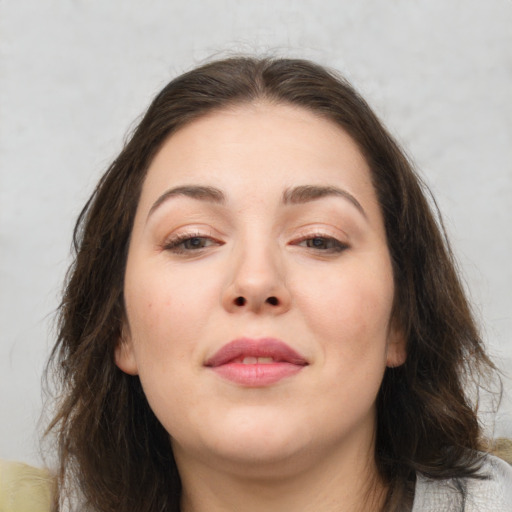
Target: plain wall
(74, 75)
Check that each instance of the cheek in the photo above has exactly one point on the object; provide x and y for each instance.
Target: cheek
(163, 327)
(350, 312)
(166, 307)
(354, 298)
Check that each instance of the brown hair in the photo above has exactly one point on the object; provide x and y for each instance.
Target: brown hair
(112, 447)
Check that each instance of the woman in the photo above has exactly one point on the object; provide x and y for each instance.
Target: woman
(264, 315)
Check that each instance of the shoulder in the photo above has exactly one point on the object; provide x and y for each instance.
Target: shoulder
(490, 493)
(24, 487)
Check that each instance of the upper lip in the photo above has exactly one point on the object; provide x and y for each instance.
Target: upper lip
(261, 347)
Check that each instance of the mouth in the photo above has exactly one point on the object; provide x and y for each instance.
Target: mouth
(256, 362)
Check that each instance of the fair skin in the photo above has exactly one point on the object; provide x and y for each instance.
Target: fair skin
(226, 245)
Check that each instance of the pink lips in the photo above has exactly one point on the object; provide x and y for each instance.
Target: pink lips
(270, 360)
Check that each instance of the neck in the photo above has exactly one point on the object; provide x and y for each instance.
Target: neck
(331, 484)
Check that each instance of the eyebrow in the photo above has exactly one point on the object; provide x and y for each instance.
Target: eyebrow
(210, 194)
(306, 193)
(296, 195)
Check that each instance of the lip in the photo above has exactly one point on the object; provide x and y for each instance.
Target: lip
(227, 362)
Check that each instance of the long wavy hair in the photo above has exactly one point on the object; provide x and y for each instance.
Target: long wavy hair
(114, 452)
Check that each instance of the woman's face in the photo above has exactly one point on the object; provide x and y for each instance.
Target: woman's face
(259, 290)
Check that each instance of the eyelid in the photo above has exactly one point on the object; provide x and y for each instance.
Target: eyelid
(186, 230)
(342, 242)
(320, 236)
(320, 231)
(172, 242)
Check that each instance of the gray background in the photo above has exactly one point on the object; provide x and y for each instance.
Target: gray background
(74, 75)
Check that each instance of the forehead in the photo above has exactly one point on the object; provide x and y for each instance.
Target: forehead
(255, 150)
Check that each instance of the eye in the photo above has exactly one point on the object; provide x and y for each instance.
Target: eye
(189, 243)
(323, 244)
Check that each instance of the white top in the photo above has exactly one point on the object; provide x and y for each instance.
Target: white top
(491, 495)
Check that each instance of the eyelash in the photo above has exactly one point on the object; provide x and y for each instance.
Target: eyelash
(174, 243)
(336, 245)
(177, 243)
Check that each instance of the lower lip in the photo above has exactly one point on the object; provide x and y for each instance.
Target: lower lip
(256, 375)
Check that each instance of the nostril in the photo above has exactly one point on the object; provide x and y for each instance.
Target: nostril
(273, 301)
(240, 301)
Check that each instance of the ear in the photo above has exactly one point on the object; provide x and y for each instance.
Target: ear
(124, 354)
(397, 347)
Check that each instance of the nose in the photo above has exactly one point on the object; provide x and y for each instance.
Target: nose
(257, 283)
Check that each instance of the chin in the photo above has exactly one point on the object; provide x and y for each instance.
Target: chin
(255, 441)
(259, 457)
